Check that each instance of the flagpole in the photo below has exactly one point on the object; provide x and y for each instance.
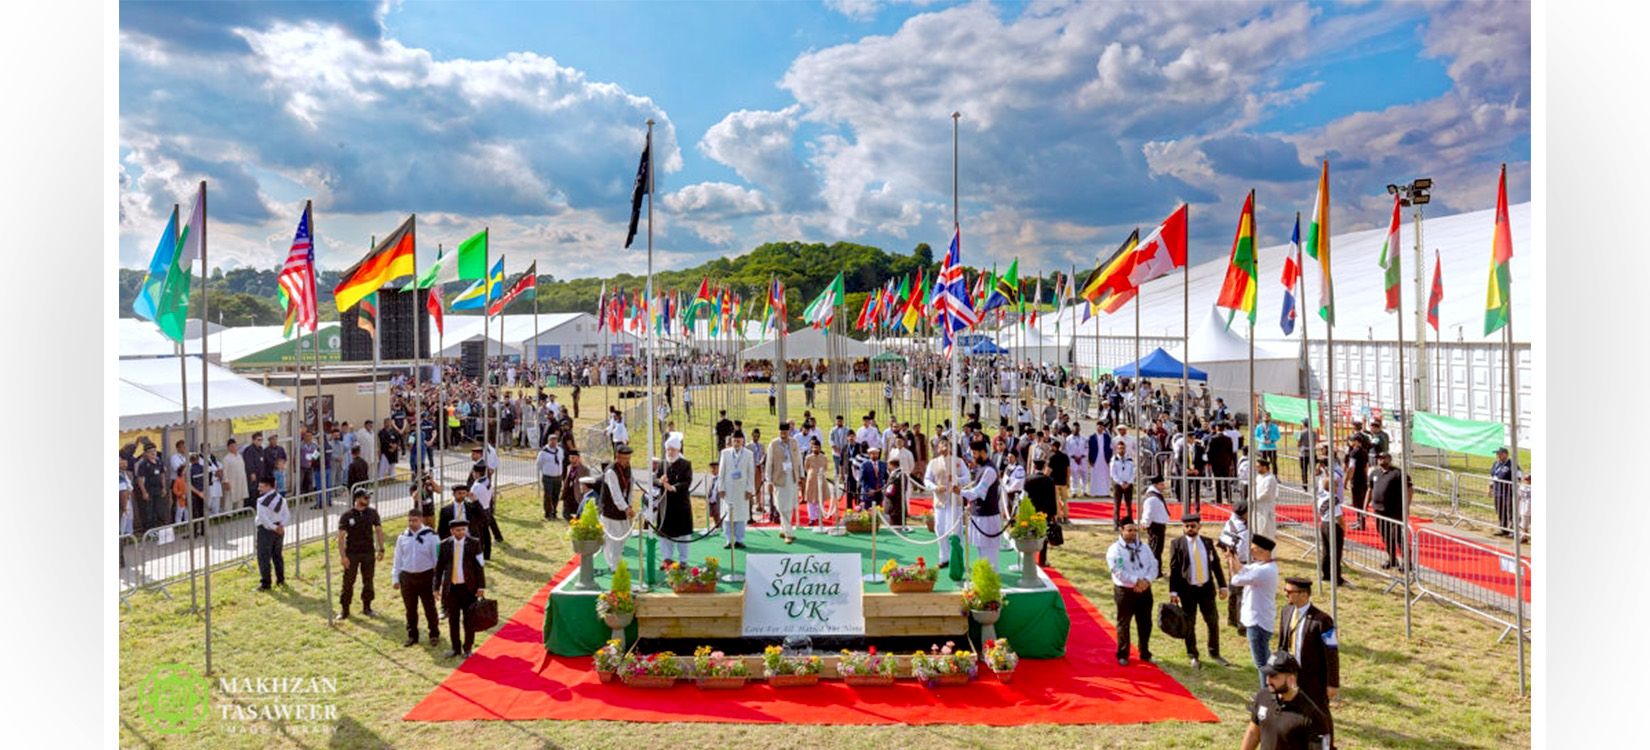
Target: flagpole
(1254, 413)
(377, 350)
(419, 344)
(1185, 374)
(956, 346)
(652, 337)
(1403, 434)
(1518, 470)
(1134, 385)
(1329, 422)
(320, 442)
(205, 439)
(441, 425)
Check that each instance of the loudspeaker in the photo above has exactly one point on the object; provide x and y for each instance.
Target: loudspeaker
(355, 344)
(472, 359)
(401, 320)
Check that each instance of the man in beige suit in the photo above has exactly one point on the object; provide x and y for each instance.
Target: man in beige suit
(785, 472)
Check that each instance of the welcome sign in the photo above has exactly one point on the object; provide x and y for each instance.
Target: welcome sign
(803, 594)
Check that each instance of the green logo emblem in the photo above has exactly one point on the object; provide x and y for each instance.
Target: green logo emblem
(175, 699)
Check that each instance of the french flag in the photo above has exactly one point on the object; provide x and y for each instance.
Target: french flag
(1291, 276)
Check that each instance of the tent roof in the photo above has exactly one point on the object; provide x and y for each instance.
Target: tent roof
(986, 346)
(150, 396)
(809, 343)
(1214, 342)
(1159, 364)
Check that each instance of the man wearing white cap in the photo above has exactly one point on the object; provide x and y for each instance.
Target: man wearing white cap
(785, 473)
(738, 487)
(945, 476)
(676, 525)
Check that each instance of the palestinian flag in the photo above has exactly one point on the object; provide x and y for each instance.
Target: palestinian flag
(1237, 292)
(392, 259)
(1317, 246)
(1389, 258)
(1498, 300)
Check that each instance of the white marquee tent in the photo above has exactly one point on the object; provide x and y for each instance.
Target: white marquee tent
(150, 396)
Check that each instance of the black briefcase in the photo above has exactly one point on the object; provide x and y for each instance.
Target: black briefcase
(483, 614)
(1171, 619)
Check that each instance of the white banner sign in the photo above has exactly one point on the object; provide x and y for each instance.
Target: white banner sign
(367, 389)
(803, 594)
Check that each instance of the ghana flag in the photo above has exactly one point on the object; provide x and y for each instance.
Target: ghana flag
(1498, 301)
(390, 260)
(1237, 292)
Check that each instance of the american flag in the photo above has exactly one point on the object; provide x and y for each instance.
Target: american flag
(951, 303)
(297, 277)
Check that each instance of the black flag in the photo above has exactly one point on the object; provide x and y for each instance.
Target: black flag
(643, 180)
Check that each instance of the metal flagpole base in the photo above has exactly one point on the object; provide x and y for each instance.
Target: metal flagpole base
(872, 578)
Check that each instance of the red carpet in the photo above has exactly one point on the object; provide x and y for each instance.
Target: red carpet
(1471, 562)
(1085, 687)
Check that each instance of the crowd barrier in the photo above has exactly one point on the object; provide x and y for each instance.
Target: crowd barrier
(1477, 578)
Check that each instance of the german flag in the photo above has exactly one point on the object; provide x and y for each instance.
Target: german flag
(390, 260)
(1108, 287)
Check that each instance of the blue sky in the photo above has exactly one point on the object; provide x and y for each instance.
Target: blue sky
(817, 122)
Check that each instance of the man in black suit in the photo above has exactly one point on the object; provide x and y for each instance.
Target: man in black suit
(258, 466)
(1391, 498)
(1195, 579)
(1223, 462)
(1309, 634)
(1039, 489)
(724, 428)
(463, 581)
(465, 508)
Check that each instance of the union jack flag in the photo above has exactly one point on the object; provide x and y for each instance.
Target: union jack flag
(297, 277)
(776, 303)
(951, 300)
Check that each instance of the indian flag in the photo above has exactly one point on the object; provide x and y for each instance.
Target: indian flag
(1317, 246)
(1390, 259)
(1498, 300)
(1237, 292)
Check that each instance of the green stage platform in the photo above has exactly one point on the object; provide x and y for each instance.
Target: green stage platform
(1034, 620)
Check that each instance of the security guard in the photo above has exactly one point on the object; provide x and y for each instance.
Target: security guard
(1280, 715)
(1132, 571)
(360, 547)
(273, 515)
(412, 572)
(1308, 633)
(551, 462)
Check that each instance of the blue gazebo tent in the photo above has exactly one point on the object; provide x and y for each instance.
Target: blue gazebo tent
(986, 346)
(1158, 364)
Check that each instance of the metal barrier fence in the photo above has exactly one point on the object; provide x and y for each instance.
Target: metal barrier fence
(1477, 578)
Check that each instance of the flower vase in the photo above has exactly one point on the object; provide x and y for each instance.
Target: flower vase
(987, 618)
(1028, 561)
(909, 587)
(720, 683)
(586, 550)
(1004, 676)
(948, 680)
(617, 622)
(649, 681)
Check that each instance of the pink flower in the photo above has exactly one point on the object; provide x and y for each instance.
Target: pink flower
(695, 570)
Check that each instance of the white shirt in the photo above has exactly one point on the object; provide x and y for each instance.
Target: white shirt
(1260, 594)
(1077, 447)
(1130, 563)
(869, 436)
(1236, 529)
(1153, 509)
(550, 461)
(482, 493)
(414, 554)
(621, 434)
(1122, 470)
(1266, 487)
(1014, 478)
(1324, 502)
(982, 483)
(272, 510)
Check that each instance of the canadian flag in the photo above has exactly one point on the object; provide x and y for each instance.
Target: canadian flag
(1161, 251)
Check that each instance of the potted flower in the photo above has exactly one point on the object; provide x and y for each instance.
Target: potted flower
(783, 670)
(1029, 532)
(1001, 658)
(587, 535)
(909, 578)
(617, 605)
(650, 670)
(608, 659)
(940, 666)
(698, 579)
(857, 521)
(866, 668)
(984, 597)
(714, 670)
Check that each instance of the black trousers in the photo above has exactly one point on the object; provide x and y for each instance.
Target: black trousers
(1223, 485)
(1201, 599)
(269, 554)
(492, 525)
(1124, 505)
(1306, 471)
(1392, 537)
(459, 599)
(1133, 607)
(1234, 609)
(419, 589)
(1154, 539)
(364, 563)
(1504, 509)
(1360, 491)
(1325, 532)
(552, 491)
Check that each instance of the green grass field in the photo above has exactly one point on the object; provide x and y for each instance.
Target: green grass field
(1451, 685)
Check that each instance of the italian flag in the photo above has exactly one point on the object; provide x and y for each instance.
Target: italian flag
(1389, 258)
(1317, 246)
(1498, 300)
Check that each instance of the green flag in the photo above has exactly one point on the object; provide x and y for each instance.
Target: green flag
(172, 309)
(819, 312)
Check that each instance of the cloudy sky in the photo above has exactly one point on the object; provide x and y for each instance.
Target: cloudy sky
(780, 121)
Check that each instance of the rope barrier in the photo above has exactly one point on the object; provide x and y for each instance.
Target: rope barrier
(888, 526)
(984, 533)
